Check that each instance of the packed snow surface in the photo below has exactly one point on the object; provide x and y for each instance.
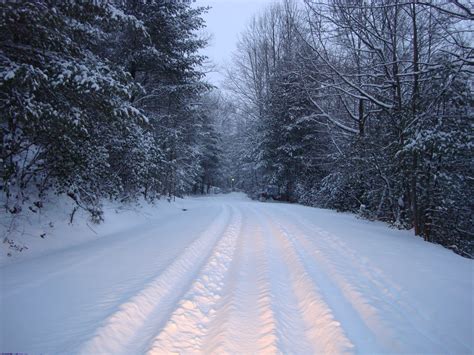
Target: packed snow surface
(226, 274)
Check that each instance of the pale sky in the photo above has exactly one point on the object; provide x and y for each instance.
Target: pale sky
(225, 21)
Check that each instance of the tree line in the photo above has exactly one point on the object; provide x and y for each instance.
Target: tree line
(362, 106)
(103, 100)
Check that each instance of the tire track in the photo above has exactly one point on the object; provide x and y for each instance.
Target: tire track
(128, 327)
(218, 327)
(244, 321)
(269, 340)
(369, 298)
(391, 297)
(388, 294)
(189, 323)
(309, 316)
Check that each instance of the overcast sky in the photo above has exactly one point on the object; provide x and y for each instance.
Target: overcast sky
(225, 21)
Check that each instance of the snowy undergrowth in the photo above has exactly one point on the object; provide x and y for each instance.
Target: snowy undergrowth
(35, 232)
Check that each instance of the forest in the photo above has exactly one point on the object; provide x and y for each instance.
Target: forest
(359, 106)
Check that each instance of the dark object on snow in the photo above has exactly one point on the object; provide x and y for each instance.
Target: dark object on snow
(184, 209)
(38, 204)
(271, 192)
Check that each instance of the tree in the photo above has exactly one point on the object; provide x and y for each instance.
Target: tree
(364, 107)
(100, 100)
(65, 110)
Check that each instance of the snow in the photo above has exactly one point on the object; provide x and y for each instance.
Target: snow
(227, 274)
(53, 222)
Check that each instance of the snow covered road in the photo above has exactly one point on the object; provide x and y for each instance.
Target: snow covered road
(233, 275)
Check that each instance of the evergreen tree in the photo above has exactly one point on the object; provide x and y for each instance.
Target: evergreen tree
(100, 100)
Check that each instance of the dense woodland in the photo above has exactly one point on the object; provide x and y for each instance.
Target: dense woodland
(102, 100)
(361, 106)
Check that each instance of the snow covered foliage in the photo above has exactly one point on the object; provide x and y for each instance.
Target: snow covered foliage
(365, 107)
(165, 63)
(98, 100)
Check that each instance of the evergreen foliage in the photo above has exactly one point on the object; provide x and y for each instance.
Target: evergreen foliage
(364, 107)
(100, 99)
